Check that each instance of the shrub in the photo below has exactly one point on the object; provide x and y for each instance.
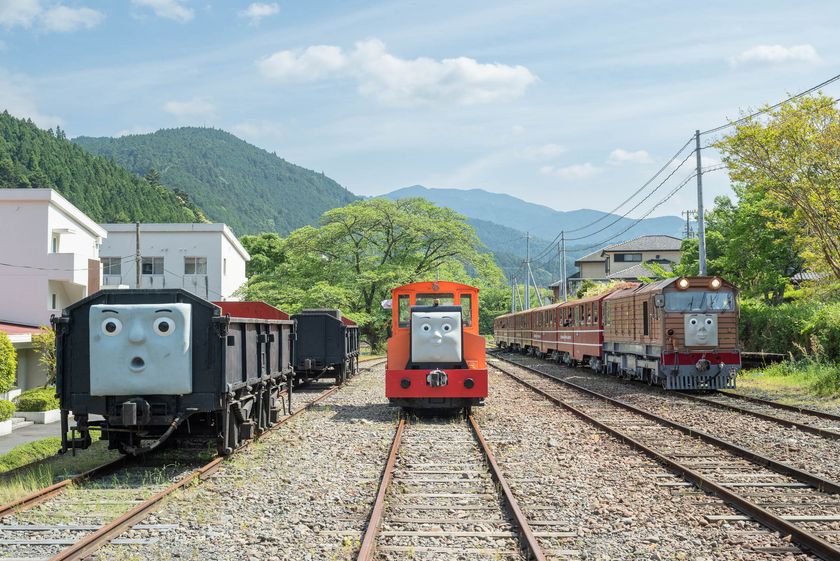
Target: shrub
(8, 363)
(40, 399)
(45, 345)
(791, 328)
(7, 408)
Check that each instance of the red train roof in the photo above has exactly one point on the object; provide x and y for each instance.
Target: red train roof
(256, 309)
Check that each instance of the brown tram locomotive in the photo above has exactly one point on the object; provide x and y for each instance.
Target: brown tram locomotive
(680, 333)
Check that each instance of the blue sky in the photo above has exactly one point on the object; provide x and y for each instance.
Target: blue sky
(567, 104)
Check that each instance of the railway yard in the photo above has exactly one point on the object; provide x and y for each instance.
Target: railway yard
(544, 470)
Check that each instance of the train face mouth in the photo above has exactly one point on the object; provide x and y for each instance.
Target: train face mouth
(138, 364)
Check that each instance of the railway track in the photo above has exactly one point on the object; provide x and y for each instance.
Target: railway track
(76, 516)
(442, 496)
(795, 503)
(820, 423)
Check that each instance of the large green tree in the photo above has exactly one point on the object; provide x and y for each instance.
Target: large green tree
(793, 158)
(748, 244)
(363, 250)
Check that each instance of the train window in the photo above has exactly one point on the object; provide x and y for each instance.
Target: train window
(403, 311)
(700, 301)
(645, 319)
(589, 314)
(595, 313)
(435, 300)
(466, 309)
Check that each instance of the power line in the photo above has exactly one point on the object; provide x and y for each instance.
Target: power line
(772, 107)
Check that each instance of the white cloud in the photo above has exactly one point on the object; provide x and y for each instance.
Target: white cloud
(195, 107)
(255, 130)
(398, 81)
(16, 97)
(64, 19)
(258, 10)
(776, 54)
(517, 130)
(621, 156)
(544, 152)
(311, 63)
(19, 12)
(573, 172)
(169, 9)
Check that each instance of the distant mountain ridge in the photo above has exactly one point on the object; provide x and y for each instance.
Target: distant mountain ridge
(246, 187)
(541, 221)
(35, 158)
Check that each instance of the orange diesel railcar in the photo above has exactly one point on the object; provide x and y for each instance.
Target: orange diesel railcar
(435, 355)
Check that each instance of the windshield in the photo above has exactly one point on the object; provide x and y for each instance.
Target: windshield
(700, 301)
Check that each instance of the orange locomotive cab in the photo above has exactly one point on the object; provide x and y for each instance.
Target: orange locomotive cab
(435, 354)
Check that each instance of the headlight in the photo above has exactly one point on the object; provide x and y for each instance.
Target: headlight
(682, 283)
(715, 283)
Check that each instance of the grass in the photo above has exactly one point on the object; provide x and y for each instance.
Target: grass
(804, 382)
(54, 469)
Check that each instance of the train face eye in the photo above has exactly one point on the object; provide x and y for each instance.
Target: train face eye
(111, 327)
(693, 321)
(709, 321)
(447, 327)
(164, 326)
(426, 327)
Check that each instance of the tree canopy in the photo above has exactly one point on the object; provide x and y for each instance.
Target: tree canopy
(362, 251)
(31, 157)
(789, 165)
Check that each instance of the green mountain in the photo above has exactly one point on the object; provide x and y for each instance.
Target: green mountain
(31, 157)
(234, 182)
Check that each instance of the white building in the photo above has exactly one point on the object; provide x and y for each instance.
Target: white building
(48, 255)
(205, 259)
(48, 260)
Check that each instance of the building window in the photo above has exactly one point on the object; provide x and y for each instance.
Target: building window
(224, 266)
(628, 257)
(54, 302)
(111, 265)
(152, 266)
(195, 265)
(55, 243)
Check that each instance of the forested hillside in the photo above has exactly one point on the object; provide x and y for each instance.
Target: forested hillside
(249, 189)
(31, 157)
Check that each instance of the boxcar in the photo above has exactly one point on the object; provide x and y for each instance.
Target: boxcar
(327, 345)
(161, 364)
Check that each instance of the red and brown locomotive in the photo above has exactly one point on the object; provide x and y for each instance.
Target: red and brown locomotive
(680, 333)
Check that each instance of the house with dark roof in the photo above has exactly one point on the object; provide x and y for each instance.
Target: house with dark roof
(624, 261)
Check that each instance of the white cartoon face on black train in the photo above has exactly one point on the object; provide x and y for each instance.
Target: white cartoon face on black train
(140, 349)
(701, 330)
(436, 336)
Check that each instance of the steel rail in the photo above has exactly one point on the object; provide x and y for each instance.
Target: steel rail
(530, 539)
(376, 514)
(820, 483)
(826, 433)
(785, 406)
(801, 537)
(93, 541)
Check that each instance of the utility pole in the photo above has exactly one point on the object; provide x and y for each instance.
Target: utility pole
(137, 253)
(563, 264)
(701, 227)
(512, 295)
(689, 231)
(528, 271)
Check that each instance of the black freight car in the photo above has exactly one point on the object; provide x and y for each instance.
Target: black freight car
(327, 345)
(160, 364)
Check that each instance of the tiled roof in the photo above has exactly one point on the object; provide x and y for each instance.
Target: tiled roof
(594, 257)
(635, 272)
(647, 243)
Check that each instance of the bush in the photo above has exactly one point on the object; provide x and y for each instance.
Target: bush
(8, 363)
(7, 408)
(40, 399)
(793, 328)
